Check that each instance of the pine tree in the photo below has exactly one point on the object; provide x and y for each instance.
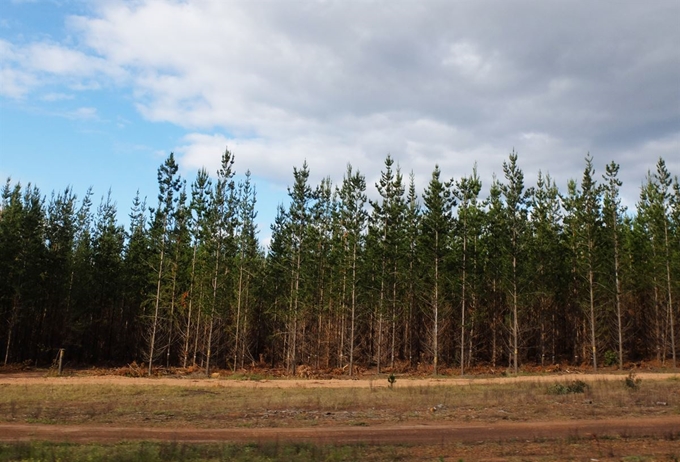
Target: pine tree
(107, 264)
(656, 207)
(547, 263)
(466, 192)
(222, 226)
(247, 263)
(299, 215)
(584, 209)
(413, 226)
(136, 262)
(495, 242)
(516, 210)
(436, 226)
(200, 197)
(169, 184)
(11, 259)
(387, 223)
(612, 212)
(353, 218)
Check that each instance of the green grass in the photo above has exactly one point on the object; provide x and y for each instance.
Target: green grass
(160, 452)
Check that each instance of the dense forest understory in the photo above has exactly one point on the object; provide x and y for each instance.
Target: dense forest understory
(445, 278)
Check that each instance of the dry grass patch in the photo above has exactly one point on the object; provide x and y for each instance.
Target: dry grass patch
(184, 404)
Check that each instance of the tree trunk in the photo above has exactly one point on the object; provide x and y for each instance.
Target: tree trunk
(462, 308)
(591, 283)
(185, 354)
(617, 282)
(212, 313)
(353, 313)
(10, 328)
(435, 335)
(515, 324)
(156, 309)
(238, 311)
(670, 292)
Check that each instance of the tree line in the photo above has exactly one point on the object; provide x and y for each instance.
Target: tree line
(441, 279)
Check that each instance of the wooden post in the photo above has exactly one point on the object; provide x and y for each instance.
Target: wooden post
(61, 358)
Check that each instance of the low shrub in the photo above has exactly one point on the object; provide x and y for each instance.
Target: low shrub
(632, 383)
(576, 386)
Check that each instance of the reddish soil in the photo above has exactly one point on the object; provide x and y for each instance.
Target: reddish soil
(661, 428)
(424, 433)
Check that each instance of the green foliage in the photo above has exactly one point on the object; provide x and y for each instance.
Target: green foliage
(391, 380)
(632, 382)
(173, 451)
(576, 386)
(444, 279)
(610, 358)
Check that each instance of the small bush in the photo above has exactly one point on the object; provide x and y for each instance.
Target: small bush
(576, 386)
(391, 379)
(632, 382)
(611, 358)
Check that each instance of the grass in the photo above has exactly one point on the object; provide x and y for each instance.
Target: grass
(157, 452)
(211, 407)
(576, 448)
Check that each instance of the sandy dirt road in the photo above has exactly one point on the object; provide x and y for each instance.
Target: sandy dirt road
(23, 378)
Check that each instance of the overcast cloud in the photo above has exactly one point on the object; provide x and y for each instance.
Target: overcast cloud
(433, 82)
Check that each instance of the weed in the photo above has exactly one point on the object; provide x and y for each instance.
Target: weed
(576, 386)
(391, 380)
(632, 382)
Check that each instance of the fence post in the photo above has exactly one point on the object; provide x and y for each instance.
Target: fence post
(61, 358)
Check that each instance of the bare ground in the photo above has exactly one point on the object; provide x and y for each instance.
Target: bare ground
(656, 434)
(28, 378)
(420, 433)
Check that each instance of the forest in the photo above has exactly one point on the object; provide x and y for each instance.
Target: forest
(436, 280)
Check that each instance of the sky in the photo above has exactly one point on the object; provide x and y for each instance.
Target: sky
(98, 93)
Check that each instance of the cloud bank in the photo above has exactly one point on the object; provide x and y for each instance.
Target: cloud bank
(435, 82)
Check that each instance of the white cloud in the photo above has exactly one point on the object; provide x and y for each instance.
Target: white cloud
(83, 113)
(335, 82)
(56, 96)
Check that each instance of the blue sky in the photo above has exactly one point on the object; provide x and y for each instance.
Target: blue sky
(97, 93)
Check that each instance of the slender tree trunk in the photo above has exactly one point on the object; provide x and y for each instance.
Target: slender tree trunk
(185, 355)
(515, 324)
(295, 308)
(394, 313)
(591, 283)
(10, 327)
(670, 292)
(435, 336)
(171, 320)
(343, 312)
(289, 327)
(411, 303)
(244, 324)
(212, 313)
(353, 314)
(619, 319)
(381, 306)
(198, 330)
(156, 308)
(238, 311)
(462, 308)
(494, 326)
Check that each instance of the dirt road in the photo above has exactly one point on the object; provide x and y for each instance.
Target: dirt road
(425, 433)
(24, 378)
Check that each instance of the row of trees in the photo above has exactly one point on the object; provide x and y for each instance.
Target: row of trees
(444, 279)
